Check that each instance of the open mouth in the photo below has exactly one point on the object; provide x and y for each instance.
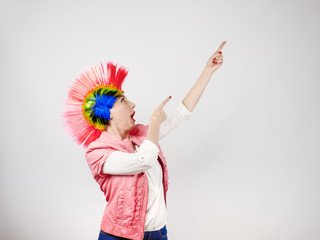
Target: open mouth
(132, 116)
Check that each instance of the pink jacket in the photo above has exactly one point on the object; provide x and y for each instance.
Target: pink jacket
(127, 195)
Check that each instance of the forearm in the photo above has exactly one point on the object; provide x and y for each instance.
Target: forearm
(123, 163)
(193, 96)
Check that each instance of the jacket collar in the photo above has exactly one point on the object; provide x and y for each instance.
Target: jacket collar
(107, 137)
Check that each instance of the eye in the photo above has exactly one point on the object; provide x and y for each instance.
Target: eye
(122, 99)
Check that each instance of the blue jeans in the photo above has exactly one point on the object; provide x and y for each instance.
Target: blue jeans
(154, 235)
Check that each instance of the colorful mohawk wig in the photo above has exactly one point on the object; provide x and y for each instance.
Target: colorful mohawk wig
(91, 96)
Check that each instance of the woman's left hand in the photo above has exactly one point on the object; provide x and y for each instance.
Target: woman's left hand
(216, 60)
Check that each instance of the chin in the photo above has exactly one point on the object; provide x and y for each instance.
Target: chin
(133, 126)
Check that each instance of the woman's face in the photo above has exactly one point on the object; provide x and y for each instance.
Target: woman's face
(122, 113)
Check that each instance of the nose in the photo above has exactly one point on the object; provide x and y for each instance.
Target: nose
(133, 105)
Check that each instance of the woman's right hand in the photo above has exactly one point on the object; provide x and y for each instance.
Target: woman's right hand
(158, 116)
(216, 60)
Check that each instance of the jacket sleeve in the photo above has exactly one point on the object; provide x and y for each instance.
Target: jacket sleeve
(174, 119)
(122, 163)
(96, 156)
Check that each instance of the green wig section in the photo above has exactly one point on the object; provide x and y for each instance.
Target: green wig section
(102, 97)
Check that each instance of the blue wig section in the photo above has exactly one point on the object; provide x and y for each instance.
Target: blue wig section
(103, 105)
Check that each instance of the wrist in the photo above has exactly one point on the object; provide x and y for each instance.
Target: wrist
(154, 123)
(208, 71)
(153, 132)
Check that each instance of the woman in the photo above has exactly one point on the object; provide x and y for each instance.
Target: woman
(126, 159)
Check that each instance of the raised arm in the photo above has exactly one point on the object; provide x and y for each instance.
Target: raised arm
(213, 64)
(119, 163)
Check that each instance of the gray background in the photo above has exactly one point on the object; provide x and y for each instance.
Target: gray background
(245, 166)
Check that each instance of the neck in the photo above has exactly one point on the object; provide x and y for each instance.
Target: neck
(118, 133)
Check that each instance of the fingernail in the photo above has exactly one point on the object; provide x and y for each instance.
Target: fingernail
(220, 52)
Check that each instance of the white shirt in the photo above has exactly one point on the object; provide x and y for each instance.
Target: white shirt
(145, 158)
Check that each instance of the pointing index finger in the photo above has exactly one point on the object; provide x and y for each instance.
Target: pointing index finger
(164, 102)
(221, 46)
